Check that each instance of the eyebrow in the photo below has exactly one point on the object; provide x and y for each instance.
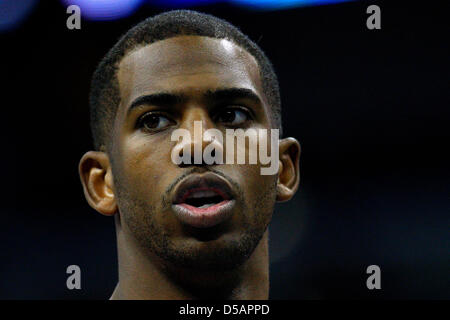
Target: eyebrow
(167, 98)
(232, 94)
(157, 99)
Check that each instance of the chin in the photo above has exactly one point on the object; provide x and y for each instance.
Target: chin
(225, 253)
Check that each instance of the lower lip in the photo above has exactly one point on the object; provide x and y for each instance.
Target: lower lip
(204, 217)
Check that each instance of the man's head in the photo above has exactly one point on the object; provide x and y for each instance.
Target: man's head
(165, 74)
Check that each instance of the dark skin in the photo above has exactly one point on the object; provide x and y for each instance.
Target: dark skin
(159, 256)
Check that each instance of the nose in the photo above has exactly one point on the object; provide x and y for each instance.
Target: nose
(201, 144)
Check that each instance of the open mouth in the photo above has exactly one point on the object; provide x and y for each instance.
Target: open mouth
(203, 197)
(203, 200)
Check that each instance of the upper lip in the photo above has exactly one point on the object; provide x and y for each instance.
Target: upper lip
(202, 182)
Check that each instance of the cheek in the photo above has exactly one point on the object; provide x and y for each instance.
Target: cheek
(144, 164)
(257, 181)
(260, 195)
(255, 186)
(263, 193)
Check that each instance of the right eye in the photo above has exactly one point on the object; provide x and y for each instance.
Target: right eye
(154, 121)
(233, 116)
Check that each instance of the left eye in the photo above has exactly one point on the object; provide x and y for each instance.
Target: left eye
(153, 122)
(233, 116)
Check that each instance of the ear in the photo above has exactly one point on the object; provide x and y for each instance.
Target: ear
(289, 169)
(97, 180)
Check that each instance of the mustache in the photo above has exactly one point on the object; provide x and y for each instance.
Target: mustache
(172, 186)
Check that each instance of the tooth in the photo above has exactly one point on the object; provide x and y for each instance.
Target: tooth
(206, 205)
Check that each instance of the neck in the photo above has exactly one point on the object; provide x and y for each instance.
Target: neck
(142, 277)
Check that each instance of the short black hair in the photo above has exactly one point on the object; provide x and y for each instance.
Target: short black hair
(105, 94)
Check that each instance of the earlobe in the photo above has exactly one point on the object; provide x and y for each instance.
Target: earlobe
(289, 169)
(97, 180)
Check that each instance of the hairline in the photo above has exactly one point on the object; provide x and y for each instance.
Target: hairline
(138, 46)
(105, 96)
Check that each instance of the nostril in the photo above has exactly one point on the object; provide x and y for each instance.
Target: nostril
(192, 155)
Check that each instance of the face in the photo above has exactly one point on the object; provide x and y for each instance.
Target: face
(195, 216)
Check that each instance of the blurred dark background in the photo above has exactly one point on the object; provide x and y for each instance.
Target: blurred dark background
(370, 108)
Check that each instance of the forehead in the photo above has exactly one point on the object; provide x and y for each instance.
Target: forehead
(187, 64)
